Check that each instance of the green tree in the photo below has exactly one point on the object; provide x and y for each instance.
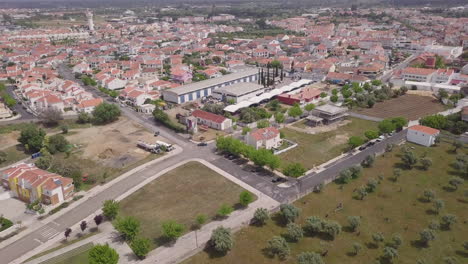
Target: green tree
(222, 240)
(172, 230)
(448, 220)
(140, 247)
(371, 134)
(263, 123)
(409, 159)
(355, 141)
(128, 226)
(279, 118)
(294, 170)
(309, 107)
(390, 254)
(103, 254)
(378, 238)
(425, 163)
(426, 236)
(200, 220)
(289, 212)
(372, 185)
(368, 161)
(429, 195)
(332, 228)
(32, 137)
(334, 98)
(295, 111)
(277, 246)
(456, 145)
(354, 222)
(434, 225)
(225, 210)
(246, 130)
(313, 225)
(83, 118)
(386, 126)
(106, 113)
(261, 215)
(110, 209)
(455, 181)
(356, 248)
(439, 204)
(245, 198)
(361, 192)
(435, 121)
(51, 116)
(294, 232)
(57, 143)
(309, 258)
(396, 241)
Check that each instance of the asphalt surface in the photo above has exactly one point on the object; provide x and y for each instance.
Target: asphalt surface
(259, 180)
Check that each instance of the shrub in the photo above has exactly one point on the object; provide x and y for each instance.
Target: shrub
(106, 113)
(294, 170)
(295, 232)
(31, 137)
(313, 225)
(309, 258)
(172, 230)
(289, 212)
(141, 247)
(448, 220)
(245, 198)
(110, 209)
(277, 246)
(225, 210)
(354, 222)
(371, 134)
(368, 161)
(426, 236)
(129, 227)
(261, 216)
(103, 254)
(332, 228)
(222, 240)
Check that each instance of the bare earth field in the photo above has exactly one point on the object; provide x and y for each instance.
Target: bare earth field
(409, 106)
(112, 145)
(9, 139)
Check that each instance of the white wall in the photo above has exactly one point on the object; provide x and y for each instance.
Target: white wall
(420, 138)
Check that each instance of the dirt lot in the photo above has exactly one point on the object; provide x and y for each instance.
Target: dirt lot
(410, 106)
(113, 145)
(9, 139)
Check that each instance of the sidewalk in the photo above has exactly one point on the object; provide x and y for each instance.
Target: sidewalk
(89, 194)
(185, 246)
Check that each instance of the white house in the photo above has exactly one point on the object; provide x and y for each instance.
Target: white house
(80, 68)
(114, 84)
(268, 138)
(422, 135)
(212, 120)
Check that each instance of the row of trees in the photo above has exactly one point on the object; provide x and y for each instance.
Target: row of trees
(452, 123)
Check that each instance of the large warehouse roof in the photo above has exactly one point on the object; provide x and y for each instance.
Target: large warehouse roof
(212, 82)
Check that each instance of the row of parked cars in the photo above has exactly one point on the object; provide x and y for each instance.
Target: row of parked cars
(255, 169)
(375, 141)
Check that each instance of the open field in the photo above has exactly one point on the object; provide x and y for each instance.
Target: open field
(112, 145)
(313, 150)
(394, 208)
(179, 195)
(75, 256)
(409, 106)
(9, 139)
(13, 154)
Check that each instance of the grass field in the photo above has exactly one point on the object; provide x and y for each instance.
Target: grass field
(179, 195)
(409, 106)
(313, 150)
(13, 155)
(395, 207)
(78, 255)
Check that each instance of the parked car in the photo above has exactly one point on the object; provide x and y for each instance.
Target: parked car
(202, 144)
(156, 133)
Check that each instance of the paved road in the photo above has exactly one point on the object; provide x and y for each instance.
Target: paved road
(260, 181)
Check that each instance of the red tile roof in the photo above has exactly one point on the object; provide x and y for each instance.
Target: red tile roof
(425, 129)
(208, 116)
(265, 133)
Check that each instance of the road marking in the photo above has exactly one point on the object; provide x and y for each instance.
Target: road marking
(48, 232)
(37, 240)
(55, 223)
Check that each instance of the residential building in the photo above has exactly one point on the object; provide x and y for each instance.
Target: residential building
(305, 95)
(5, 112)
(422, 135)
(212, 120)
(29, 183)
(268, 138)
(329, 113)
(238, 92)
(417, 74)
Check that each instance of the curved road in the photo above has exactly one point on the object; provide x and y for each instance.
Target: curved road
(190, 150)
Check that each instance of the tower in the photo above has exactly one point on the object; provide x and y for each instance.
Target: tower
(89, 15)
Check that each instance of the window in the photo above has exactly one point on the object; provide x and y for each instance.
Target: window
(182, 98)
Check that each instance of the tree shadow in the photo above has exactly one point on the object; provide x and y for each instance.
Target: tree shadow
(371, 245)
(423, 200)
(279, 220)
(462, 201)
(461, 253)
(164, 241)
(419, 244)
(239, 206)
(267, 253)
(449, 189)
(348, 229)
(212, 253)
(431, 212)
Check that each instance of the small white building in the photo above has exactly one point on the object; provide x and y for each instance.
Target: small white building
(212, 120)
(268, 138)
(422, 135)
